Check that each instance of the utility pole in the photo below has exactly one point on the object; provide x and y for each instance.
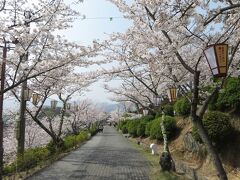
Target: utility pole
(23, 102)
(1, 106)
(21, 126)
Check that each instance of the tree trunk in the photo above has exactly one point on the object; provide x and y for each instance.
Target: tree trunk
(166, 161)
(197, 122)
(58, 143)
(165, 141)
(211, 149)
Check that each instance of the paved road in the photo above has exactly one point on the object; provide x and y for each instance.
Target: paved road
(107, 156)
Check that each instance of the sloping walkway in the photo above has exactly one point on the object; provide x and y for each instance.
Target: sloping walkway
(107, 156)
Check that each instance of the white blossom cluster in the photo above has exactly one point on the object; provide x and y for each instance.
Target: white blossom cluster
(165, 45)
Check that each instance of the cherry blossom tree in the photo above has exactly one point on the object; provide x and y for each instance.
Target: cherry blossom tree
(176, 33)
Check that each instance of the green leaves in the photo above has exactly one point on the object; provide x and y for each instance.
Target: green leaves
(182, 107)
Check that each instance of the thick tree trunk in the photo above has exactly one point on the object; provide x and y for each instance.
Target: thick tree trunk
(197, 122)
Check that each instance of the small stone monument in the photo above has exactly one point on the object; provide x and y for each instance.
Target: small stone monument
(153, 148)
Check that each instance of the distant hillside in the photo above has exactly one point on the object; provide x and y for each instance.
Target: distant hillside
(109, 107)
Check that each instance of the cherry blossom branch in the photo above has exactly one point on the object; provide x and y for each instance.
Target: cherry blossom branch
(171, 42)
(232, 6)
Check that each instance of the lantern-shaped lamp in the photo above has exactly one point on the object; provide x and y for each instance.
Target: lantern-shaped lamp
(75, 106)
(35, 98)
(27, 94)
(172, 94)
(157, 100)
(54, 104)
(145, 112)
(217, 58)
(68, 106)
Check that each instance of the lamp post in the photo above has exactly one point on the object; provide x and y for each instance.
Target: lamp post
(1, 105)
(35, 98)
(145, 112)
(54, 104)
(27, 94)
(75, 106)
(157, 100)
(217, 58)
(69, 106)
(172, 94)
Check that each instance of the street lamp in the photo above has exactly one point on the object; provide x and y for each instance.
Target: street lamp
(75, 106)
(54, 104)
(157, 100)
(145, 112)
(35, 98)
(172, 94)
(68, 106)
(217, 58)
(27, 94)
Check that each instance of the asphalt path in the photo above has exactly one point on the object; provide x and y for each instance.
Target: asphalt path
(107, 156)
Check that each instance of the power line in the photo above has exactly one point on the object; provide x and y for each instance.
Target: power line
(111, 18)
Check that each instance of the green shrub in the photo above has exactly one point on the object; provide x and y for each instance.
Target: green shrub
(170, 126)
(155, 131)
(51, 147)
(123, 126)
(126, 115)
(56, 147)
(11, 168)
(82, 136)
(73, 140)
(32, 157)
(70, 141)
(217, 125)
(212, 106)
(141, 128)
(35, 156)
(168, 110)
(229, 98)
(93, 129)
(132, 127)
(158, 114)
(147, 118)
(182, 107)
(143, 121)
(148, 128)
(124, 129)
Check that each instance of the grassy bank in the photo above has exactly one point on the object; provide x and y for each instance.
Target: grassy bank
(155, 173)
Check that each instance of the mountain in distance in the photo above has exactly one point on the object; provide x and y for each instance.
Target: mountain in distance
(109, 107)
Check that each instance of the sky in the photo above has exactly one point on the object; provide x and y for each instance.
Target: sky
(97, 25)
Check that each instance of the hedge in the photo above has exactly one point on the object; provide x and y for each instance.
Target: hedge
(168, 110)
(182, 106)
(155, 128)
(132, 127)
(217, 125)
